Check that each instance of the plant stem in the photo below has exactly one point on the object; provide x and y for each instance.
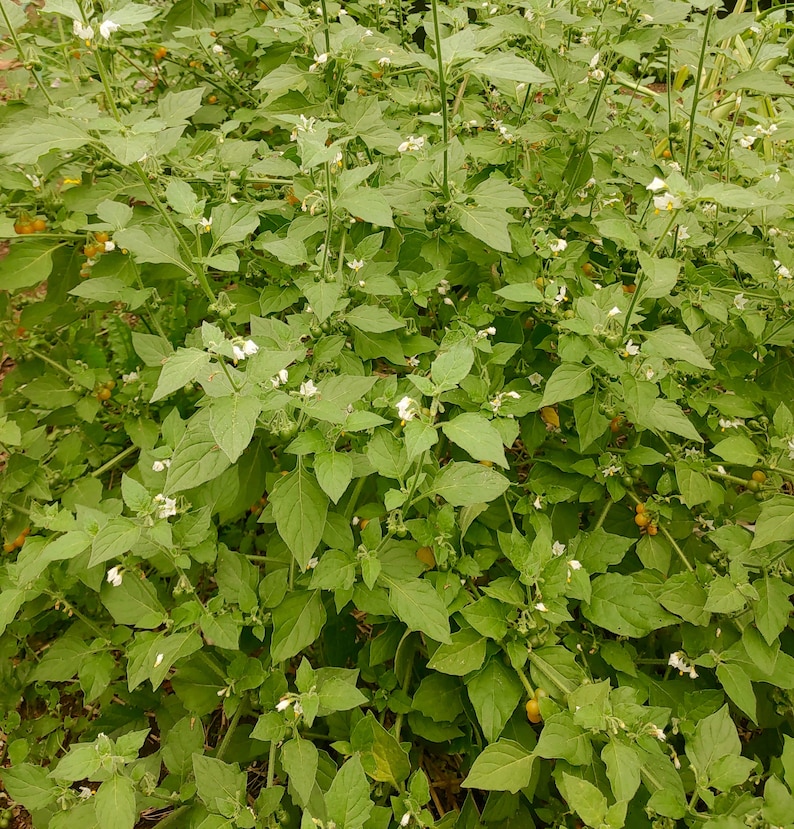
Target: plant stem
(114, 461)
(525, 682)
(233, 723)
(21, 53)
(603, 516)
(442, 86)
(696, 92)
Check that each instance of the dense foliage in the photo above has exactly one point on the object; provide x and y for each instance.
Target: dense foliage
(399, 431)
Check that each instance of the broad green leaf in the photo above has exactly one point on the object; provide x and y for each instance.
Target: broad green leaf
(300, 758)
(775, 523)
(297, 622)
(665, 416)
(149, 245)
(462, 483)
(738, 687)
(566, 382)
(674, 344)
(27, 142)
(418, 605)
(487, 224)
(694, 486)
(382, 757)
(503, 766)
(299, 507)
(586, 799)
(30, 785)
(115, 803)
(232, 423)
(334, 471)
(373, 319)
(772, 610)
(182, 367)
(27, 264)
(714, 737)
(659, 276)
(621, 606)
(197, 458)
(506, 66)
(134, 602)
(494, 692)
(465, 653)
(562, 739)
(117, 537)
(176, 107)
(221, 786)
(368, 204)
(623, 769)
(476, 435)
(452, 366)
(737, 449)
(347, 800)
(232, 223)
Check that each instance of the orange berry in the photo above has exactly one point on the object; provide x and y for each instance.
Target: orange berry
(39, 225)
(160, 53)
(639, 508)
(8, 547)
(588, 269)
(759, 476)
(102, 237)
(642, 520)
(533, 711)
(363, 524)
(652, 529)
(213, 99)
(111, 384)
(23, 228)
(103, 394)
(614, 424)
(667, 154)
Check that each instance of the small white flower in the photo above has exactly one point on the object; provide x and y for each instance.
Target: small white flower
(649, 372)
(667, 201)
(107, 27)
(721, 469)
(676, 762)
(726, 423)
(614, 312)
(791, 449)
(55, 83)
(83, 32)
(678, 662)
(411, 144)
(490, 331)
(747, 141)
(356, 265)
(321, 59)
(129, 378)
(609, 471)
(558, 548)
(168, 506)
(406, 408)
(682, 234)
(280, 378)
(631, 350)
(206, 224)
(115, 576)
(355, 520)
(312, 563)
(574, 564)
(535, 379)
(384, 61)
(405, 819)
(159, 660)
(308, 389)
(657, 732)
(217, 48)
(109, 246)
(541, 607)
(513, 395)
(557, 245)
(646, 18)
(782, 271)
(283, 704)
(560, 295)
(448, 300)
(238, 353)
(594, 60)
(84, 792)
(161, 466)
(740, 301)
(34, 180)
(250, 348)
(443, 287)
(412, 361)
(538, 502)
(656, 185)
(674, 166)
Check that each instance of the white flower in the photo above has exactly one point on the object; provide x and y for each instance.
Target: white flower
(312, 563)
(448, 300)
(280, 378)
(308, 389)
(490, 331)
(321, 59)
(560, 295)
(356, 265)
(159, 660)
(217, 48)
(594, 60)
(161, 466)
(782, 271)
(405, 819)
(355, 520)
(168, 507)
(115, 576)
(412, 361)
(541, 607)
(667, 201)
(405, 408)
(109, 246)
(558, 548)
(411, 144)
(614, 312)
(55, 83)
(283, 704)
(747, 141)
(646, 18)
(107, 27)
(657, 732)
(83, 32)
(791, 449)
(535, 379)
(649, 372)
(656, 185)
(250, 348)
(206, 224)
(557, 245)
(443, 287)
(384, 61)
(739, 301)
(574, 564)
(631, 350)
(676, 762)
(725, 423)
(678, 662)
(538, 502)
(609, 471)
(129, 378)
(682, 233)
(84, 792)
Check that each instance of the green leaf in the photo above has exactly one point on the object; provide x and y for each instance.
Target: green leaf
(368, 204)
(299, 507)
(115, 803)
(452, 366)
(419, 437)
(566, 382)
(476, 435)
(772, 610)
(297, 622)
(418, 605)
(562, 739)
(488, 224)
(586, 799)
(737, 449)
(373, 319)
(462, 484)
(221, 786)
(694, 486)
(618, 604)
(665, 416)
(158, 247)
(775, 523)
(623, 769)
(506, 66)
(30, 785)
(117, 537)
(684, 596)
(232, 423)
(714, 737)
(465, 653)
(660, 276)
(27, 264)
(674, 344)
(738, 687)
(197, 458)
(26, 143)
(503, 766)
(134, 602)
(494, 693)
(232, 223)
(334, 471)
(176, 107)
(347, 800)
(182, 367)
(590, 423)
(382, 757)
(300, 758)
(521, 292)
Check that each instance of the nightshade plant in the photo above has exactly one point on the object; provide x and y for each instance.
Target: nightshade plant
(398, 429)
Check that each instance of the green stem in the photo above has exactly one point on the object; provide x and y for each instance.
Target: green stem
(696, 92)
(51, 362)
(330, 217)
(106, 85)
(442, 85)
(114, 461)
(233, 723)
(525, 682)
(603, 516)
(21, 53)
(326, 26)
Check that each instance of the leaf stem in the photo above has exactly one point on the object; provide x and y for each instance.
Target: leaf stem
(233, 723)
(603, 516)
(114, 461)
(442, 86)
